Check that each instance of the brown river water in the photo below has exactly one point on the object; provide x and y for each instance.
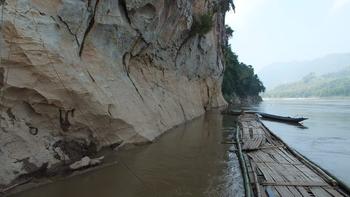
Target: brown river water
(189, 160)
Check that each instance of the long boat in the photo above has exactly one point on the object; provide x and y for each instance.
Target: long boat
(282, 118)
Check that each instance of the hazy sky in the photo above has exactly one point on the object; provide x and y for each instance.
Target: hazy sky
(268, 31)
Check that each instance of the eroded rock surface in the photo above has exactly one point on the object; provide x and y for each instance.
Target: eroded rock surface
(87, 74)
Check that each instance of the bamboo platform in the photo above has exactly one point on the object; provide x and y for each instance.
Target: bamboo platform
(274, 169)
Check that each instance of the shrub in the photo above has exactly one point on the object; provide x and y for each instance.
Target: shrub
(223, 6)
(202, 24)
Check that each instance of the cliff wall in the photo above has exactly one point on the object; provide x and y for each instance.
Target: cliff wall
(76, 76)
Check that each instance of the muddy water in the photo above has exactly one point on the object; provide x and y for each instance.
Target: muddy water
(189, 160)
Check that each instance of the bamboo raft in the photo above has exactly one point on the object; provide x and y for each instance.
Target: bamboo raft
(271, 168)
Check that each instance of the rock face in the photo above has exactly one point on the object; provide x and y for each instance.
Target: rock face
(76, 76)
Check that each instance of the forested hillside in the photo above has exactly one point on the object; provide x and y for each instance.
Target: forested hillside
(288, 72)
(330, 85)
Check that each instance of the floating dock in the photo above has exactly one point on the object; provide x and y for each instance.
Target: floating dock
(271, 168)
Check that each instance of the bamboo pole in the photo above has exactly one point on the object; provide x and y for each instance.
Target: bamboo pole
(243, 166)
(257, 185)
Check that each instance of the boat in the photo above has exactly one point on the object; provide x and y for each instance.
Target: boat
(282, 118)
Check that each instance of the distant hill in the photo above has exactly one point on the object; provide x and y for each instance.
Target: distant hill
(328, 85)
(281, 73)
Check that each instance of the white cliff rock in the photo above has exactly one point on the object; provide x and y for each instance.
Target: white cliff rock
(80, 75)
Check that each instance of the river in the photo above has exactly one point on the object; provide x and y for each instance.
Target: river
(190, 160)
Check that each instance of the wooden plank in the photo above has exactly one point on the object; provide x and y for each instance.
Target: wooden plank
(303, 184)
(270, 192)
(255, 176)
(254, 157)
(250, 130)
(289, 172)
(278, 157)
(286, 164)
(287, 156)
(265, 172)
(281, 171)
(263, 191)
(281, 175)
(290, 155)
(333, 192)
(319, 192)
(294, 191)
(252, 144)
(309, 173)
(303, 192)
(274, 176)
(299, 175)
(284, 191)
(268, 147)
(265, 157)
(278, 175)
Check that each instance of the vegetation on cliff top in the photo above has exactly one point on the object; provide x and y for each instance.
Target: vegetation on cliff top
(239, 78)
(202, 24)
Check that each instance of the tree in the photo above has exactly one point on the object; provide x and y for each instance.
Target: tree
(239, 78)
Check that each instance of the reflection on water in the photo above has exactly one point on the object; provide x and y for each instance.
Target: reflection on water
(327, 139)
(189, 160)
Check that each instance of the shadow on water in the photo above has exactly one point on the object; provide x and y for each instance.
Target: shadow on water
(189, 160)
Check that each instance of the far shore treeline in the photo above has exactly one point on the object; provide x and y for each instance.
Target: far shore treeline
(335, 84)
(240, 82)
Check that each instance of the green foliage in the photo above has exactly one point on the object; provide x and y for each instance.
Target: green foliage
(229, 31)
(334, 84)
(239, 78)
(202, 24)
(224, 6)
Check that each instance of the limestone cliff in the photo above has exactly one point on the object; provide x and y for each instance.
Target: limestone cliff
(78, 75)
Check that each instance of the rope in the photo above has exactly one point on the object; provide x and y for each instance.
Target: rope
(136, 176)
